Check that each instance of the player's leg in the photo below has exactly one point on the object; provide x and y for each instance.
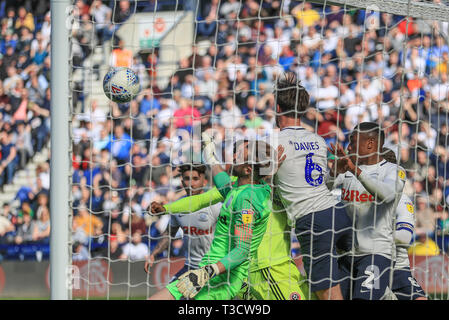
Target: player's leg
(279, 282)
(372, 275)
(318, 234)
(405, 286)
(346, 284)
(163, 294)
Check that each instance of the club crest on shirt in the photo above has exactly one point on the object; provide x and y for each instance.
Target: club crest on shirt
(410, 208)
(401, 174)
(247, 216)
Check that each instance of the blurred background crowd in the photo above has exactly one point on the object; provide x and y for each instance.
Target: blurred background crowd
(356, 65)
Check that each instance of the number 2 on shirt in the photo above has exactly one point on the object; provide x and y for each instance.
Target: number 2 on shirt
(310, 166)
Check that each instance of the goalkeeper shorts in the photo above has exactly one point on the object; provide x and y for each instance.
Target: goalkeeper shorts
(282, 281)
(221, 287)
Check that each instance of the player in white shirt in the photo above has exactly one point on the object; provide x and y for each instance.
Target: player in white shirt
(197, 227)
(321, 223)
(370, 185)
(404, 285)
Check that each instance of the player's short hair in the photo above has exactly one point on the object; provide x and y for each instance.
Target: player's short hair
(291, 96)
(371, 129)
(389, 155)
(200, 168)
(259, 155)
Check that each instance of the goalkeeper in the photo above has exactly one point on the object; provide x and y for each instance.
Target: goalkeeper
(241, 225)
(273, 274)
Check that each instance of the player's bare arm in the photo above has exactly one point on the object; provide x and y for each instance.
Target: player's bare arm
(160, 247)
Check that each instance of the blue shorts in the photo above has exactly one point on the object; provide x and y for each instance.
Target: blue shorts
(320, 234)
(405, 286)
(184, 269)
(371, 277)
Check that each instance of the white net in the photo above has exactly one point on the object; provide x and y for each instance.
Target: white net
(213, 64)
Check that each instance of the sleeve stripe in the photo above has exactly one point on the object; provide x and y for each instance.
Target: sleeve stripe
(405, 224)
(405, 228)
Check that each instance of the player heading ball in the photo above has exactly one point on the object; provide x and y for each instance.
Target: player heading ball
(321, 223)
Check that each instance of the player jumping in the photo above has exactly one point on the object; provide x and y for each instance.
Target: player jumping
(241, 224)
(321, 223)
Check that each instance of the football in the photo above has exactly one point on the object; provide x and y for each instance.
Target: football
(121, 85)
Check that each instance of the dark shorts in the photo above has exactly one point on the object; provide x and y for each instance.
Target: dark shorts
(405, 286)
(320, 234)
(184, 269)
(371, 277)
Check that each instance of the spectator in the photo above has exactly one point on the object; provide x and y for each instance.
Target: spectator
(114, 252)
(102, 17)
(24, 19)
(9, 159)
(25, 229)
(87, 223)
(41, 232)
(80, 252)
(136, 250)
(121, 57)
(7, 228)
(326, 95)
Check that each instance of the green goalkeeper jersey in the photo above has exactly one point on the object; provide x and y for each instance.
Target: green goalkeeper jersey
(241, 224)
(275, 245)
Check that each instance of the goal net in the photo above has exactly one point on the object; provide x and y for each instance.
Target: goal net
(213, 65)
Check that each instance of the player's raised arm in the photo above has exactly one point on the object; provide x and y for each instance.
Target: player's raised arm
(367, 142)
(385, 189)
(194, 203)
(160, 247)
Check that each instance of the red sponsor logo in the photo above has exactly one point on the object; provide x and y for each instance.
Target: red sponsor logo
(197, 231)
(355, 196)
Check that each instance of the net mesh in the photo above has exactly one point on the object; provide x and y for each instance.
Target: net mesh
(213, 64)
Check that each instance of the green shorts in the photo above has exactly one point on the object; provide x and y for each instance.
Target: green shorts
(222, 287)
(282, 281)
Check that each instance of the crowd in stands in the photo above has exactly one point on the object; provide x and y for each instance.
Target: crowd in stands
(356, 65)
(24, 117)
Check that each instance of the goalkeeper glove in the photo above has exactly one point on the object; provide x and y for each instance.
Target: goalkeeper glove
(191, 282)
(209, 150)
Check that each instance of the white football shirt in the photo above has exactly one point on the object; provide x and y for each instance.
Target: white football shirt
(373, 218)
(198, 231)
(405, 219)
(299, 182)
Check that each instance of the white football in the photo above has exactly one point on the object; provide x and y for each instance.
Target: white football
(121, 85)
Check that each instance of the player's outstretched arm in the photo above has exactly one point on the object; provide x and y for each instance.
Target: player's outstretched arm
(191, 204)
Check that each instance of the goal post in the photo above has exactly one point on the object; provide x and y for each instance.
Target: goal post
(60, 162)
